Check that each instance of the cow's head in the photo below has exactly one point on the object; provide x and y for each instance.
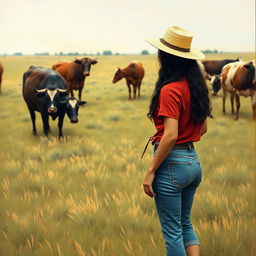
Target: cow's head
(118, 75)
(86, 63)
(216, 84)
(72, 106)
(49, 96)
(251, 75)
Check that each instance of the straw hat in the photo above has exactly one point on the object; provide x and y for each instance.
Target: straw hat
(177, 41)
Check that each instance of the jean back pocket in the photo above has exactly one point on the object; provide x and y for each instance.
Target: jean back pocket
(180, 172)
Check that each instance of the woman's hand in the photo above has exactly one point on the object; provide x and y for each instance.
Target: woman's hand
(147, 184)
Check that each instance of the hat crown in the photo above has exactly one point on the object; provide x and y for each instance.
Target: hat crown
(178, 37)
(177, 41)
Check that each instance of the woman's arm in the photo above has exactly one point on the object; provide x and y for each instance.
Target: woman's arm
(167, 142)
(203, 129)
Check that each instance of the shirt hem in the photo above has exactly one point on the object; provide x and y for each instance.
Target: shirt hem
(166, 115)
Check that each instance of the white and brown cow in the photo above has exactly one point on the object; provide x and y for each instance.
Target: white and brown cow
(238, 78)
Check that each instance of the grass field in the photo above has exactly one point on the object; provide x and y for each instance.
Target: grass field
(83, 195)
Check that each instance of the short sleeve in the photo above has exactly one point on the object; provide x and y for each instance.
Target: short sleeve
(169, 103)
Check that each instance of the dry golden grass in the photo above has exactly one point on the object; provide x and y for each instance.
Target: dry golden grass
(83, 196)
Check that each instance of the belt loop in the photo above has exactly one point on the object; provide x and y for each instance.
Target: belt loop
(189, 147)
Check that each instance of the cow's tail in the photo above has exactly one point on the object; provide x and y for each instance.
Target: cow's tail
(25, 75)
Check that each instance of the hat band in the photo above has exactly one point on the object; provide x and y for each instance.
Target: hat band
(173, 46)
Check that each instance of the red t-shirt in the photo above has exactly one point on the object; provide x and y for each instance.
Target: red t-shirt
(174, 102)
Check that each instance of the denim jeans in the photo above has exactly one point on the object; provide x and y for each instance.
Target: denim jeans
(175, 184)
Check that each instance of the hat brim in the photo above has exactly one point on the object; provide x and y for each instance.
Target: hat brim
(193, 54)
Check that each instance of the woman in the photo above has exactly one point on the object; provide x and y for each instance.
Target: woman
(179, 108)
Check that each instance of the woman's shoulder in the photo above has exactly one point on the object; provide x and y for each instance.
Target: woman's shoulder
(176, 87)
(177, 84)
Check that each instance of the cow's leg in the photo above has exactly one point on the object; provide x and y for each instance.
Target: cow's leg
(80, 94)
(71, 92)
(134, 90)
(237, 106)
(49, 128)
(139, 89)
(129, 89)
(254, 111)
(45, 120)
(70, 86)
(33, 119)
(223, 101)
(232, 96)
(253, 97)
(60, 124)
(81, 86)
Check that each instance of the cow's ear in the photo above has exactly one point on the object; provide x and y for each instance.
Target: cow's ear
(93, 62)
(40, 94)
(78, 61)
(82, 102)
(249, 65)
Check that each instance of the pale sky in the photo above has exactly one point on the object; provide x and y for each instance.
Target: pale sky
(31, 26)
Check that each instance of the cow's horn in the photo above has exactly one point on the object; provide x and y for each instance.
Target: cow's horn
(62, 90)
(42, 90)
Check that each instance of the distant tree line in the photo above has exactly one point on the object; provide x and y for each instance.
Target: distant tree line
(207, 51)
(104, 53)
(70, 54)
(42, 54)
(145, 52)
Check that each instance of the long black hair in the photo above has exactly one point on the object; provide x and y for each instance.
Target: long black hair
(173, 68)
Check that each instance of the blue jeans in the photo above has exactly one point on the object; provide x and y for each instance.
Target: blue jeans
(175, 184)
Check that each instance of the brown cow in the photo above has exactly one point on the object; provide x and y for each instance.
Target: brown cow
(133, 75)
(1, 73)
(238, 78)
(75, 72)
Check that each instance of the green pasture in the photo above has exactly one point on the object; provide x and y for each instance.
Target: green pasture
(83, 195)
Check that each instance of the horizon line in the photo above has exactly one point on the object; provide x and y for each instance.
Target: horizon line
(72, 54)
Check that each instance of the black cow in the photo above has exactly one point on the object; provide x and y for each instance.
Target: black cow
(72, 106)
(216, 84)
(45, 91)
